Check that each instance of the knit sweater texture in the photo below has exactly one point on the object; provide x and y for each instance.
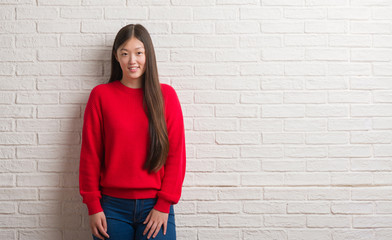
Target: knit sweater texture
(115, 144)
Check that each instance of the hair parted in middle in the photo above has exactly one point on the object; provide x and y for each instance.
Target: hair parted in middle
(153, 101)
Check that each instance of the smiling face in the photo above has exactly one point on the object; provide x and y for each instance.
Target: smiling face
(132, 58)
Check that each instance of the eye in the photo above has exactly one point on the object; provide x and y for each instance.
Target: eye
(123, 54)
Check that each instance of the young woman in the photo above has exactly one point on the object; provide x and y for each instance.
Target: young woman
(132, 161)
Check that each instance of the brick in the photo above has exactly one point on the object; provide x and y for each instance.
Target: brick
(17, 55)
(372, 221)
(273, 138)
(18, 221)
(374, 193)
(240, 193)
(282, 111)
(305, 152)
(60, 54)
(260, 41)
(39, 234)
(234, 27)
(282, 54)
(261, 125)
(238, 138)
(216, 13)
(285, 193)
(302, 40)
(79, 13)
(304, 125)
(308, 207)
(328, 165)
(319, 54)
(349, 13)
(208, 220)
(257, 152)
(329, 194)
(267, 69)
(218, 207)
(307, 69)
(285, 221)
(214, 97)
(349, 40)
(37, 98)
(349, 97)
(125, 13)
(18, 27)
(305, 234)
(352, 208)
(320, 221)
(264, 207)
(370, 27)
(305, 13)
(227, 234)
(267, 234)
(307, 179)
(352, 234)
(220, 124)
(383, 234)
(327, 138)
(260, 13)
(269, 26)
(36, 13)
(331, 26)
(167, 13)
(217, 179)
(37, 69)
(262, 179)
(240, 221)
(227, 165)
(283, 166)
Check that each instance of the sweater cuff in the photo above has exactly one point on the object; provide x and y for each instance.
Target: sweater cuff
(162, 205)
(94, 207)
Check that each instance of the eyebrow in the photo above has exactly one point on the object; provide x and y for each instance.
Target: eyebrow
(127, 50)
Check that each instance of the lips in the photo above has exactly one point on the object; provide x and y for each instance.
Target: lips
(133, 69)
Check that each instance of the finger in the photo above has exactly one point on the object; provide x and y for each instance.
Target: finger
(154, 226)
(157, 230)
(147, 218)
(164, 227)
(102, 231)
(147, 227)
(96, 233)
(104, 224)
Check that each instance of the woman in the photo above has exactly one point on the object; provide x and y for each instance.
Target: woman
(132, 161)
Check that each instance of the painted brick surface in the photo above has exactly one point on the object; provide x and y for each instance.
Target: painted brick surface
(287, 106)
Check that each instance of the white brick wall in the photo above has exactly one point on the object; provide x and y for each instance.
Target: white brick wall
(287, 105)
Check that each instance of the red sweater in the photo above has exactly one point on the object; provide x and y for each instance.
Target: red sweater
(115, 143)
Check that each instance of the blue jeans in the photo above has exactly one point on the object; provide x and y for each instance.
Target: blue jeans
(125, 219)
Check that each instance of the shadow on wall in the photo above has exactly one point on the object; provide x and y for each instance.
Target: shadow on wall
(74, 219)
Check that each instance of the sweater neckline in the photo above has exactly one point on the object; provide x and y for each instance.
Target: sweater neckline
(127, 89)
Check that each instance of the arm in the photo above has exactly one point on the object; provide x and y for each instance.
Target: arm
(175, 165)
(91, 155)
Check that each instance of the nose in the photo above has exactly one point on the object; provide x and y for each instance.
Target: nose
(132, 59)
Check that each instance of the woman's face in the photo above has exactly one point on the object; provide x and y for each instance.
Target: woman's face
(132, 59)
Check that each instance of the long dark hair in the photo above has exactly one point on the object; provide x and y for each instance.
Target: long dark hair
(152, 101)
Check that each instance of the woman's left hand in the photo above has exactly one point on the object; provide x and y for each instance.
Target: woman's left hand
(155, 220)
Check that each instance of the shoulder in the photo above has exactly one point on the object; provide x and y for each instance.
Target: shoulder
(166, 88)
(99, 89)
(168, 91)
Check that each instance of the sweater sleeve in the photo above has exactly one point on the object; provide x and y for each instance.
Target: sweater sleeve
(91, 155)
(175, 166)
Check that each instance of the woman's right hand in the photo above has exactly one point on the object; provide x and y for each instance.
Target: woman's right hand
(98, 225)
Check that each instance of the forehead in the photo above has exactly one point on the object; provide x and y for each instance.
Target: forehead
(131, 44)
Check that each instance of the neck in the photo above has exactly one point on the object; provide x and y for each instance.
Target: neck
(131, 83)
